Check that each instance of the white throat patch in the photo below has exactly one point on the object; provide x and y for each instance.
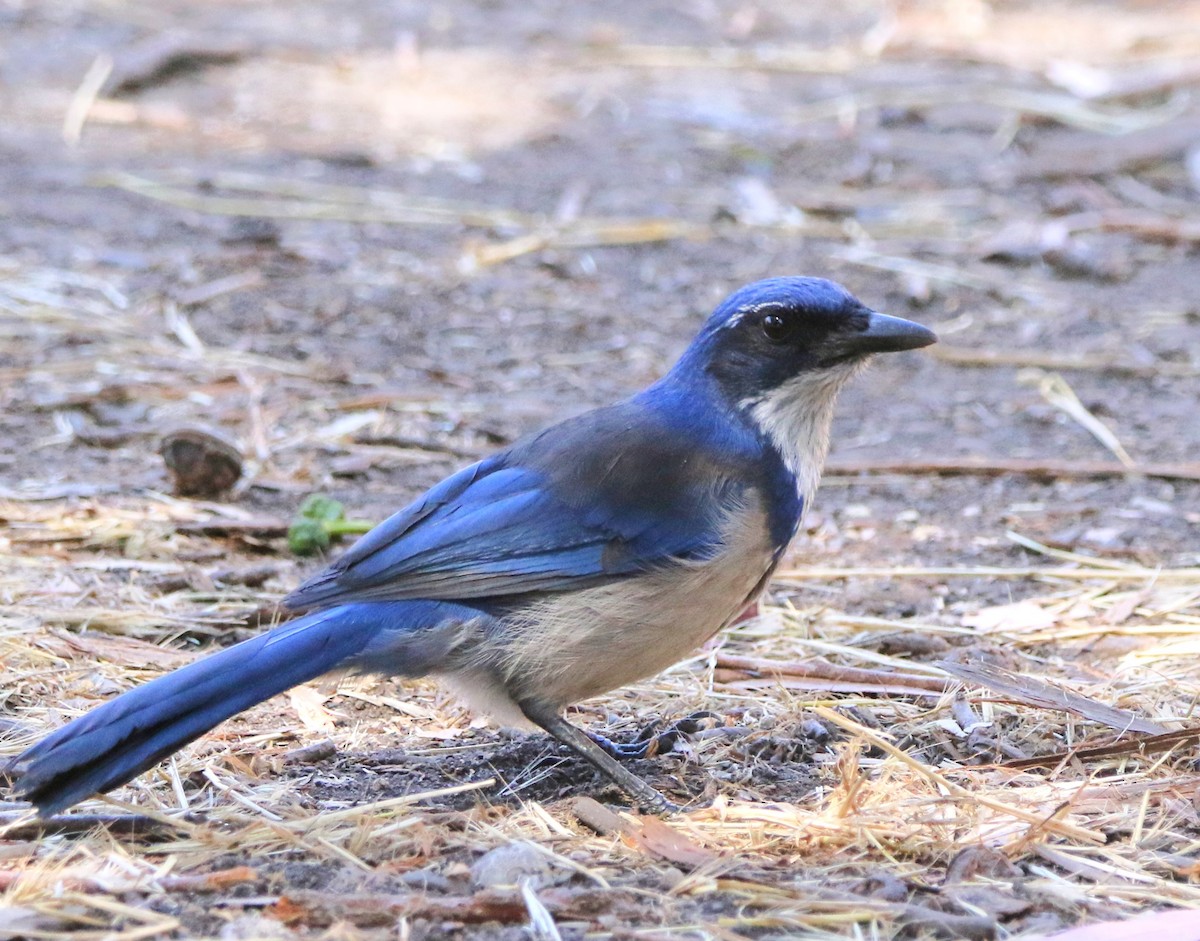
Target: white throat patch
(795, 418)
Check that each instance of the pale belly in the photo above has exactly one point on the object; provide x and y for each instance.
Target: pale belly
(579, 644)
(624, 633)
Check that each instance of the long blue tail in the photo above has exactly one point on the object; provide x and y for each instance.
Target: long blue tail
(116, 741)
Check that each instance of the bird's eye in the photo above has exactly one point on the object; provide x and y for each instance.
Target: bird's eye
(776, 327)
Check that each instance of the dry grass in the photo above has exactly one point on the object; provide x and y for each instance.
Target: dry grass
(1111, 836)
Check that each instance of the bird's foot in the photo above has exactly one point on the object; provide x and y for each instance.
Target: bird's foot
(651, 741)
(593, 748)
(659, 807)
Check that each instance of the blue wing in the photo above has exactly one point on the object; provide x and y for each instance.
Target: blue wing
(613, 492)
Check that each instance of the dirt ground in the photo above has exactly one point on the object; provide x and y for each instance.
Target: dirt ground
(371, 241)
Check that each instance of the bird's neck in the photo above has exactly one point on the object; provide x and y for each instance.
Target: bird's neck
(726, 426)
(795, 419)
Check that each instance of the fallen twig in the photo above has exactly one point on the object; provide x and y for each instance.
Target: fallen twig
(311, 754)
(420, 444)
(1130, 746)
(136, 825)
(266, 528)
(1046, 468)
(312, 908)
(1081, 157)
(1149, 225)
(963, 356)
(219, 881)
(1062, 572)
(732, 668)
(290, 200)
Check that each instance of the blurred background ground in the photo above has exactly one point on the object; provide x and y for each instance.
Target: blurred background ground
(372, 241)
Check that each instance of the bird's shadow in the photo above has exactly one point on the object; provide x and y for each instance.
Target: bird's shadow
(533, 767)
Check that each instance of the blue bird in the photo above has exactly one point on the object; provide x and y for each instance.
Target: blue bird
(586, 556)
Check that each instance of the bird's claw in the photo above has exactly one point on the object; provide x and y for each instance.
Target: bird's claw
(651, 742)
(661, 807)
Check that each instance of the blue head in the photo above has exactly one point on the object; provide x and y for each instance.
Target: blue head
(769, 333)
(774, 356)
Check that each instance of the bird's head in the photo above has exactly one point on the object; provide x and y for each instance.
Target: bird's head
(778, 351)
(773, 332)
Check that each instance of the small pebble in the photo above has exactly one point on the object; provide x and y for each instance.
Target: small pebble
(811, 728)
(510, 865)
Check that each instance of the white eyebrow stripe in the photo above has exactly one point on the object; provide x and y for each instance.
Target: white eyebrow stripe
(754, 309)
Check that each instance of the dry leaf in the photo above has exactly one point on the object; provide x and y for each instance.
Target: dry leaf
(660, 838)
(1021, 616)
(309, 704)
(647, 834)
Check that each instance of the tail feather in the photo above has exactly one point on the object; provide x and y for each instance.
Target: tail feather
(116, 741)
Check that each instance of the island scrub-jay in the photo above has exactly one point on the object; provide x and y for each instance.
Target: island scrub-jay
(584, 557)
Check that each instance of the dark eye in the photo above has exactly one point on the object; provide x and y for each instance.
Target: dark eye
(776, 327)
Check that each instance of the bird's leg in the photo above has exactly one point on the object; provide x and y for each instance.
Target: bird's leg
(651, 741)
(548, 718)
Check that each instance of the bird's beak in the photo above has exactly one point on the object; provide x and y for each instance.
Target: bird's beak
(886, 334)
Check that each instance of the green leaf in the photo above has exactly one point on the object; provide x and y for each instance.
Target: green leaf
(317, 506)
(307, 536)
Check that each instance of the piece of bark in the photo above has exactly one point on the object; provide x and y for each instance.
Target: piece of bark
(201, 462)
(1032, 691)
(165, 56)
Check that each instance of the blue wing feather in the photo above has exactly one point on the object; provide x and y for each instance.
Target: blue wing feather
(592, 499)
